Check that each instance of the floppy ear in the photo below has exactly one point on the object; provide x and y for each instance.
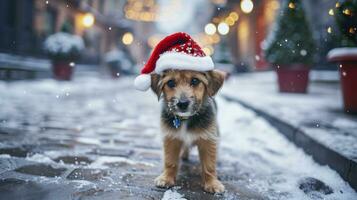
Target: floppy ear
(215, 81)
(156, 85)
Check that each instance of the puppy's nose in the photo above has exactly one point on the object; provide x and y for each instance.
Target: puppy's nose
(183, 104)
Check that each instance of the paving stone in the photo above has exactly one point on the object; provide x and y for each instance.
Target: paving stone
(15, 151)
(75, 160)
(125, 166)
(12, 188)
(310, 185)
(41, 170)
(113, 152)
(87, 174)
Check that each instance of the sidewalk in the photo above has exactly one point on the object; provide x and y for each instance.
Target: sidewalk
(95, 138)
(313, 121)
(17, 67)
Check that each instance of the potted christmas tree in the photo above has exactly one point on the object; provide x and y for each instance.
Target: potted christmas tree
(63, 49)
(346, 19)
(290, 47)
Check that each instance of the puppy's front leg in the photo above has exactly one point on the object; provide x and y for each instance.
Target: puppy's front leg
(208, 152)
(172, 148)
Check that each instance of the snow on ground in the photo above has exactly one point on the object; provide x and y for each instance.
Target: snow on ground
(318, 113)
(92, 113)
(263, 150)
(172, 195)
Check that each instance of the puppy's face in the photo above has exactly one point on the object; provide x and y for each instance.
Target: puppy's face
(184, 91)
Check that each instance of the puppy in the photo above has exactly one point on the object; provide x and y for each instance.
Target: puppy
(188, 117)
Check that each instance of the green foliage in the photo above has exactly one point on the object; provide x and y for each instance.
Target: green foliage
(67, 27)
(346, 19)
(290, 41)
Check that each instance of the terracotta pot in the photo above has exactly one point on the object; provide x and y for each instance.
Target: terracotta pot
(62, 70)
(293, 78)
(347, 60)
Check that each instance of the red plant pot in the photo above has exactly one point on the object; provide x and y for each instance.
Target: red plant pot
(347, 59)
(293, 78)
(62, 70)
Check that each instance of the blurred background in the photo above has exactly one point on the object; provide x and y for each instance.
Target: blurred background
(232, 31)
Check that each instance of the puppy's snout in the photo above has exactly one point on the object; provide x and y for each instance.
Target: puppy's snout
(183, 104)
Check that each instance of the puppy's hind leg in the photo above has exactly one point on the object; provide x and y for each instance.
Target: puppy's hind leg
(185, 153)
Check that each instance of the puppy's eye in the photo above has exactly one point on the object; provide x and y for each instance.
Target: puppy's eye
(171, 83)
(195, 81)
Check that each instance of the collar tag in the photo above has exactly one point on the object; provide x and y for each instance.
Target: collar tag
(177, 122)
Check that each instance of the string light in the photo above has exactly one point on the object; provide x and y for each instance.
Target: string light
(330, 12)
(127, 38)
(329, 30)
(88, 20)
(223, 28)
(291, 5)
(210, 29)
(141, 10)
(234, 16)
(347, 11)
(246, 6)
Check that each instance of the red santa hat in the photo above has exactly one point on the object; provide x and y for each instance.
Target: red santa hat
(176, 51)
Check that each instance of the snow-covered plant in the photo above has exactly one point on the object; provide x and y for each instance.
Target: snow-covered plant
(346, 19)
(290, 41)
(63, 46)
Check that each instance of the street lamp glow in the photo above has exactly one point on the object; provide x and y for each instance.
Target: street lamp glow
(127, 38)
(223, 28)
(246, 6)
(210, 29)
(88, 20)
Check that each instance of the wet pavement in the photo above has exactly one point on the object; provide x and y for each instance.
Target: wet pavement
(99, 139)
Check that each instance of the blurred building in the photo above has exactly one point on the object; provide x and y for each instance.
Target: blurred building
(255, 18)
(233, 31)
(25, 24)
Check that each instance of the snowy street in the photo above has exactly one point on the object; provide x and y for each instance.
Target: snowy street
(95, 138)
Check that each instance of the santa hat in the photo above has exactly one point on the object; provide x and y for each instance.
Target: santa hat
(176, 51)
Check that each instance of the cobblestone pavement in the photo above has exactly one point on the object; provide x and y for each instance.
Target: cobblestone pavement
(99, 139)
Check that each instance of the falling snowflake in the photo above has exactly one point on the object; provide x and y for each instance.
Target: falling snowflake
(344, 73)
(72, 64)
(110, 28)
(47, 2)
(257, 57)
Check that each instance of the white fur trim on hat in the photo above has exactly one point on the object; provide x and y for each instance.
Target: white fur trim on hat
(142, 82)
(183, 61)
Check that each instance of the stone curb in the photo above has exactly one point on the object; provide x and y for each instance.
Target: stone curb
(344, 166)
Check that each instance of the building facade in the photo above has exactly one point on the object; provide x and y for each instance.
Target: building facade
(26, 24)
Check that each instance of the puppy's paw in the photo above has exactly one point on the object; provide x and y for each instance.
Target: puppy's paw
(164, 181)
(214, 186)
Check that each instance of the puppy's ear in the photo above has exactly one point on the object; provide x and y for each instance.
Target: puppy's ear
(156, 85)
(215, 81)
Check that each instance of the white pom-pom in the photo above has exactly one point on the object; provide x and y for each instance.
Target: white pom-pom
(142, 82)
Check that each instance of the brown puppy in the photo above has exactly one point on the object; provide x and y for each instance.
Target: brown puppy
(188, 117)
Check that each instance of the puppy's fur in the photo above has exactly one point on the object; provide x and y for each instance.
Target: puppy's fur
(190, 100)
